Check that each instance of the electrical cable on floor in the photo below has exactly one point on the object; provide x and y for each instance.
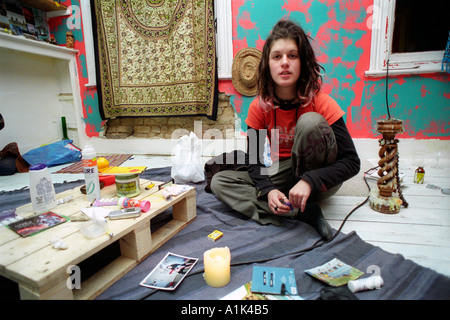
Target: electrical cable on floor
(296, 253)
(387, 88)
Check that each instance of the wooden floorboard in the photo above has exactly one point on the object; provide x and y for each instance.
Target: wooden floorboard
(398, 233)
(436, 258)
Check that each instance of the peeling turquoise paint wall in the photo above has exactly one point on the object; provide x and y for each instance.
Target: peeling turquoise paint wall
(342, 36)
(422, 102)
(59, 26)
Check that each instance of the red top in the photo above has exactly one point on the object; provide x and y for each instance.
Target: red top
(258, 118)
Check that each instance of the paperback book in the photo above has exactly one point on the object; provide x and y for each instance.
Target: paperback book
(335, 273)
(124, 170)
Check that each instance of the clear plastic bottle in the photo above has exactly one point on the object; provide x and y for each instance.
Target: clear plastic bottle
(42, 191)
(90, 169)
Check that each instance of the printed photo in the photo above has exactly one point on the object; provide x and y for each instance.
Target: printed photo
(170, 271)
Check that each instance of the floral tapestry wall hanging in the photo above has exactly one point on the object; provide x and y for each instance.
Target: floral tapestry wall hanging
(156, 57)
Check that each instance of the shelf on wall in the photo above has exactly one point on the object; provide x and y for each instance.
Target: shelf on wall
(23, 44)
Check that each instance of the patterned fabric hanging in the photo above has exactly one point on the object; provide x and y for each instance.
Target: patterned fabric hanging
(156, 57)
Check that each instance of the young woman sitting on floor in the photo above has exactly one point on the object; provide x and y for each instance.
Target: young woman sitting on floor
(312, 150)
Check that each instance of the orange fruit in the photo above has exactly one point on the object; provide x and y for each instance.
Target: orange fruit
(102, 164)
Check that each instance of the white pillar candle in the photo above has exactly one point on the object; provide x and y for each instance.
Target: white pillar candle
(217, 267)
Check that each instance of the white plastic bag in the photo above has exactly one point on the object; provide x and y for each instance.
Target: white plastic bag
(187, 163)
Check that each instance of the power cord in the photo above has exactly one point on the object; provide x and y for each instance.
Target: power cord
(317, 244)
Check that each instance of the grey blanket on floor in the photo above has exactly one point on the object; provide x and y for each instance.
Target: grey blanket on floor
(253, 244)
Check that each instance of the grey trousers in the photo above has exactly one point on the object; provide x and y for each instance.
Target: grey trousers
(314, 147)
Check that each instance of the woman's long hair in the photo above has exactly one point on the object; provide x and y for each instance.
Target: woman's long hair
(310, 80)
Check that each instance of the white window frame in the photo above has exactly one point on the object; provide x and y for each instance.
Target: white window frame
(224, 39)
(383, 19)
(88, 42)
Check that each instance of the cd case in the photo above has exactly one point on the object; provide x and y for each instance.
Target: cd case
(271, 279)
(40, 222)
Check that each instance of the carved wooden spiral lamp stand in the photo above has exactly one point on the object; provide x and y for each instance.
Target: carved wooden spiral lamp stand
(388, 198)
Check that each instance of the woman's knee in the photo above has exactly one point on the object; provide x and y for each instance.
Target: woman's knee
(313, 127)
(314, 143)
(311, 121)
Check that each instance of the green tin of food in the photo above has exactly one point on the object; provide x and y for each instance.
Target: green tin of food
(127, 185)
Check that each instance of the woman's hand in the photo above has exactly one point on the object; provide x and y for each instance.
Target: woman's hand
(274, 198)
(299, 194)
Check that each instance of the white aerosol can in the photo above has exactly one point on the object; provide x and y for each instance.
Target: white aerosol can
(90, 169)
(42, 191)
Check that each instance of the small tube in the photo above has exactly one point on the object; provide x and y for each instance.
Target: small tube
(373, 282)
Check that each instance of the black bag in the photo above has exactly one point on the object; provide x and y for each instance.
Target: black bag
(337, 293)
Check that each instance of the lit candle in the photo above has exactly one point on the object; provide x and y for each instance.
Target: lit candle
(217, 267)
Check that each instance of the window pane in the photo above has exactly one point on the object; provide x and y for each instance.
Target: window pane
(420, 26)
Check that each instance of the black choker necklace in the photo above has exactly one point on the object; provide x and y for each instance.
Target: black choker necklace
(287, 104)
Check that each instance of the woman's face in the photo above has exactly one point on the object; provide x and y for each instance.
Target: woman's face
(284, 64)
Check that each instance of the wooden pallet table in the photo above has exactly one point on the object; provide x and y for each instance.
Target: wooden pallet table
(43, 272)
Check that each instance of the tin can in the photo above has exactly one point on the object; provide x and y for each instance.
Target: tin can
(127, 185)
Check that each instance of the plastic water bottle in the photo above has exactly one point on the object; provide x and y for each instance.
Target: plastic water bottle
(42, 191)
(89, 158)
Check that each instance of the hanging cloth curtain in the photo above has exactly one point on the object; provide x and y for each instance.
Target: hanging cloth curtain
(156, 57)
